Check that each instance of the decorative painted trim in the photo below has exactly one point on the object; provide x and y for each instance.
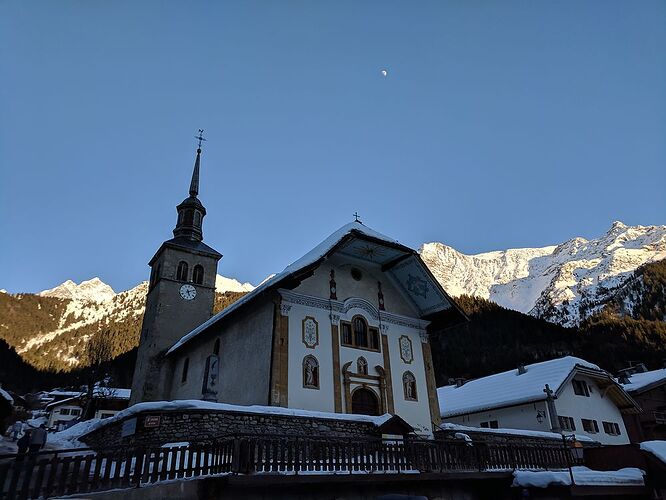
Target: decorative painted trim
(335, 349)
(403, 342)
(431, 386)
(284, 309)
(303, 330)
(388, 382)
(337, 306)
(335, 319)
(424, 336)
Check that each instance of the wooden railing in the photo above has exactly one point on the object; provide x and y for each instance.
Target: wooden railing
(66, 472)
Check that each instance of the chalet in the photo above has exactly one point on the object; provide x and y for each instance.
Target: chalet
(567, 395)
(648, 388)
(106, 403)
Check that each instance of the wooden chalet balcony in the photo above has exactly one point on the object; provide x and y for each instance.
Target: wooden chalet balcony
(47, 474)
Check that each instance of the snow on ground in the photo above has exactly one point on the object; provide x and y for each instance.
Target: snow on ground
(657, 448)
(513, 432)
(507, 388)
(69, 438)
(582, 477)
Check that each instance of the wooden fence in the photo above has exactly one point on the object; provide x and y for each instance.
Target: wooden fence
(66, 472)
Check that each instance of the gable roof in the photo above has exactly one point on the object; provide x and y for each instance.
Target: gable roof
(357, 240)
(511, 388)
(641, 382)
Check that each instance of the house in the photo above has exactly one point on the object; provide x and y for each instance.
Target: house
(561, 395)
(343, 329)
(106, 403)
(648, 388)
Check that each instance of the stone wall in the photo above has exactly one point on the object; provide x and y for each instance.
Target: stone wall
(482, 436)
(200, 425)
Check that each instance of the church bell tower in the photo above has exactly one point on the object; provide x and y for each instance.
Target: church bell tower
(180, 296)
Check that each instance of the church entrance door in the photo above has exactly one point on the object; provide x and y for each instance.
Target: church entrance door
(364, 402)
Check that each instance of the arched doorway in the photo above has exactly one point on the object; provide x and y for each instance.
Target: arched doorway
(364, 402)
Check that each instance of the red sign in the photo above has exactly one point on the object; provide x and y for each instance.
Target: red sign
(151, 421)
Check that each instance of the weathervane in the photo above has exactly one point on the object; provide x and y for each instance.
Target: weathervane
(200, 137)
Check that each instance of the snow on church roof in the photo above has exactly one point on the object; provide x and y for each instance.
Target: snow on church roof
(310, 258)
(508, 388)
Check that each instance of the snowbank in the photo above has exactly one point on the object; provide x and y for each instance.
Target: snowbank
(513, 432)
(69, 438)
(582, 477)
(657, 448)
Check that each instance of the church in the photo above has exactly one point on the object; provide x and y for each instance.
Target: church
(344, 329)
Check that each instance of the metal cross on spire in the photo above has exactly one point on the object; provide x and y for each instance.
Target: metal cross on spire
(357, 217)
(200, 137)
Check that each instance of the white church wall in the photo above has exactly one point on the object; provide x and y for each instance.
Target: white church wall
(366, 287)
(321, 399)
(513, 417)
(597, 407)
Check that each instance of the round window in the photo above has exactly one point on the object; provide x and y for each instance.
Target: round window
(356, 273)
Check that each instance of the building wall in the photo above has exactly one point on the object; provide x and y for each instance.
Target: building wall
(245, 358)
(416, 413)
(597, 407)
(514, 417)
(56, 414)
(643, 427)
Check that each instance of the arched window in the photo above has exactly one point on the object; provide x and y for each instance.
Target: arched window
(361, 366)
(155, 276)
(181, 273)
(360, 331)
(310, 372)
(409, 386)
(197, 274)
(189, 217)
(216, 347)
(197, 218)
(186, 366)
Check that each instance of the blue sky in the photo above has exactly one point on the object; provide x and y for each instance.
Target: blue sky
(500, 124)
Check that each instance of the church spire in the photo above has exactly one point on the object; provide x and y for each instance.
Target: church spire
(191, 211)
(194, 185)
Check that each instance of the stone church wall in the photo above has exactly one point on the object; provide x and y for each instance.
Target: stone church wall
(198, 425)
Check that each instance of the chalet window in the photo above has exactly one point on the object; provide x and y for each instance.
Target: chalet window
(362, 366)
(76, 411)
(590, 426)
(580, 388)
(567, 423)
(186, 366)
(409, 386)
(106, 415)
(310, 372)
(216, 347)
(198, 274)
(611, 428)
(64, 411)
(359, 334)
(181, 273)
(492, 424)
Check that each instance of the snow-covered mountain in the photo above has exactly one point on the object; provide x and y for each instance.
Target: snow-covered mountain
(57, 323)
(561, 283)
(93, 290)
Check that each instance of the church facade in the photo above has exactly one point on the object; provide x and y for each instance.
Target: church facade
(344, 329)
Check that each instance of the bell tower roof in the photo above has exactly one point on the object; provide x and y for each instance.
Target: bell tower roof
(191, 211)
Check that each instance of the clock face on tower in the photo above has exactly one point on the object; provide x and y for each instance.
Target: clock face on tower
(188, 292)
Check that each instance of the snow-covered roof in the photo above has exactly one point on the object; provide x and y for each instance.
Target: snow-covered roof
(657, 448)
(195, 404)
(642, 381)
(5, 395)
(509, 388)
(100, 392)
(310, 259)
